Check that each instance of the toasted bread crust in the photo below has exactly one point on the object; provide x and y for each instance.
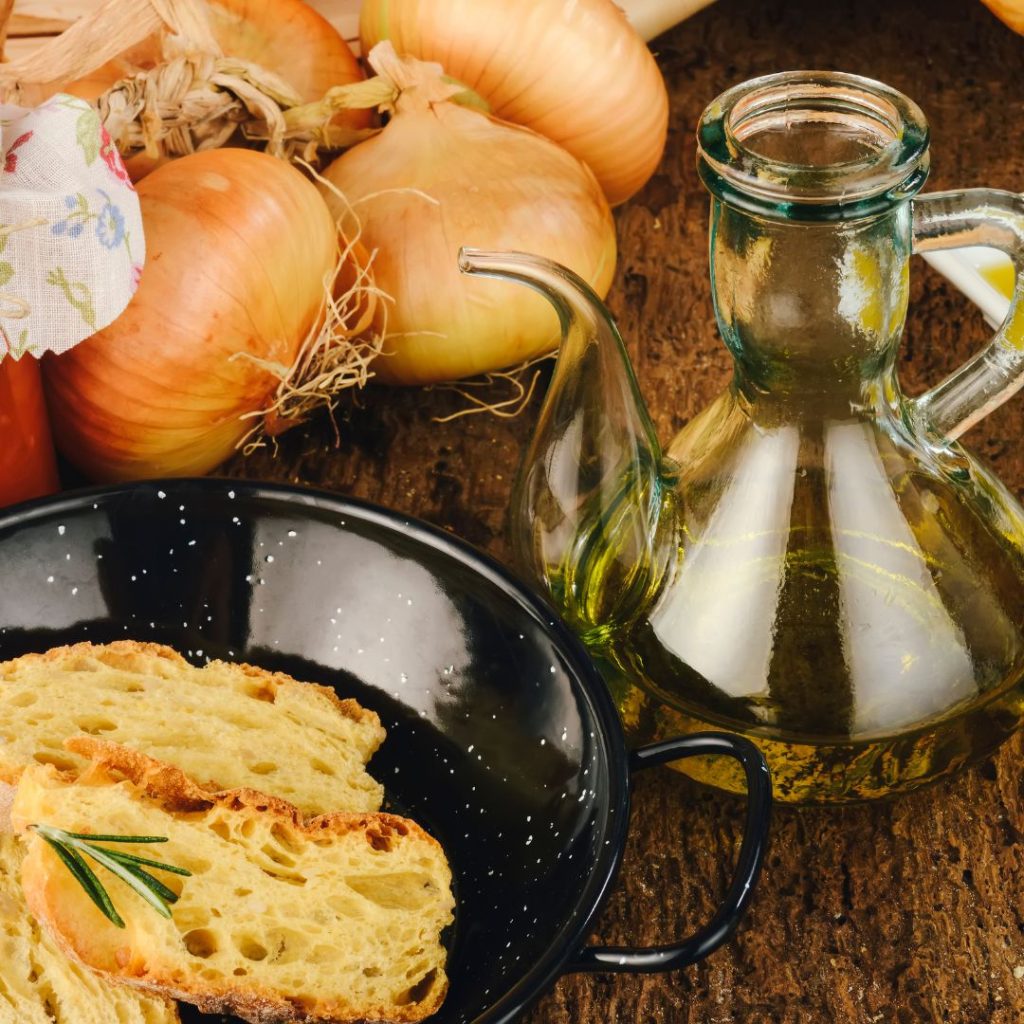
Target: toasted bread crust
(111, 654)
(177, 794)
(227, 725)
(262, 1006)
(125, 653)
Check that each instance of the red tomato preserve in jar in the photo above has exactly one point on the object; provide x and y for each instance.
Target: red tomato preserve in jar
(28, 467)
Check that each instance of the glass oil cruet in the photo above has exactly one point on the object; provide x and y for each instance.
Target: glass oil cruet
(814, 561)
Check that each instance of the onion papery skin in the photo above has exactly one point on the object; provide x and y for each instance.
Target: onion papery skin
(286, 37)
(239, 248)
(436, 179)
(573, 70)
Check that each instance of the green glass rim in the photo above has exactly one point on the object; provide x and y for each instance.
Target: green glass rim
(891, 170)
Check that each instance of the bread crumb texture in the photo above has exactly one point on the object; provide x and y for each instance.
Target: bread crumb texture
(227, 726)
(39, 985)
(334, 918)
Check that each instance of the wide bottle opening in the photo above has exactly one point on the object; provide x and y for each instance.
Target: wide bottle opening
(813, 145)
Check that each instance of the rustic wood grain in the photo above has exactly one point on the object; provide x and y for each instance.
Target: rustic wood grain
(898, 913)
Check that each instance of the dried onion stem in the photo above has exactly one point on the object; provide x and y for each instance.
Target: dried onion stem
(197, 101)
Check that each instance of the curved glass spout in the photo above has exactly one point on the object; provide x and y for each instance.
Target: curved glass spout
(593, 512)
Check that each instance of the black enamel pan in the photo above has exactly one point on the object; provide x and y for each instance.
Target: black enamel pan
(502, 739)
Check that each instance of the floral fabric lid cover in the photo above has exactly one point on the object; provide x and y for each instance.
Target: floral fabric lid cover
(71, 243)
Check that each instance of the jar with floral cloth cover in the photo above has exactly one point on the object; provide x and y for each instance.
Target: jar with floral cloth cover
(71, 255)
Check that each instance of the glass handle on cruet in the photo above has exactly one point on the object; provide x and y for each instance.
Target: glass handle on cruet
(985, 217)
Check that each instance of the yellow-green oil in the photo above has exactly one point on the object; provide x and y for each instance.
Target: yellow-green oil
(1000, 276)
(803, 719)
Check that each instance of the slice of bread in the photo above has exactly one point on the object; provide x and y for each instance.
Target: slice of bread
(39, 985)
(336, 918)
(225, 725)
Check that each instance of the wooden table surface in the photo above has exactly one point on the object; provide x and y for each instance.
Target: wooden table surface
(900, 913)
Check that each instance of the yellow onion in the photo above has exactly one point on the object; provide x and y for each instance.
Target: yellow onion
(1010, 11)
(286, 37)
(440, 176)
(573, 70)
(239, 247)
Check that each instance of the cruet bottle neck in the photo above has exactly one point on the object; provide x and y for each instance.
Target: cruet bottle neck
(812, 311)
(811, 176)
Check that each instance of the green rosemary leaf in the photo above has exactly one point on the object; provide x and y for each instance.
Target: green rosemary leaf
(85, 877)
(101, 856)
(158, 887)
(130, 858)
(71, 846)
(166, 894)
(90, 838)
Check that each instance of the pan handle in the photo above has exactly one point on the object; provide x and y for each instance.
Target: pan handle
(755, 838)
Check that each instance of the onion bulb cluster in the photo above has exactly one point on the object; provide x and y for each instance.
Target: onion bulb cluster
(511, 125)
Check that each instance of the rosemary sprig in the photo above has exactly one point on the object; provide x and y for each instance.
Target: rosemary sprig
(70, 847)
